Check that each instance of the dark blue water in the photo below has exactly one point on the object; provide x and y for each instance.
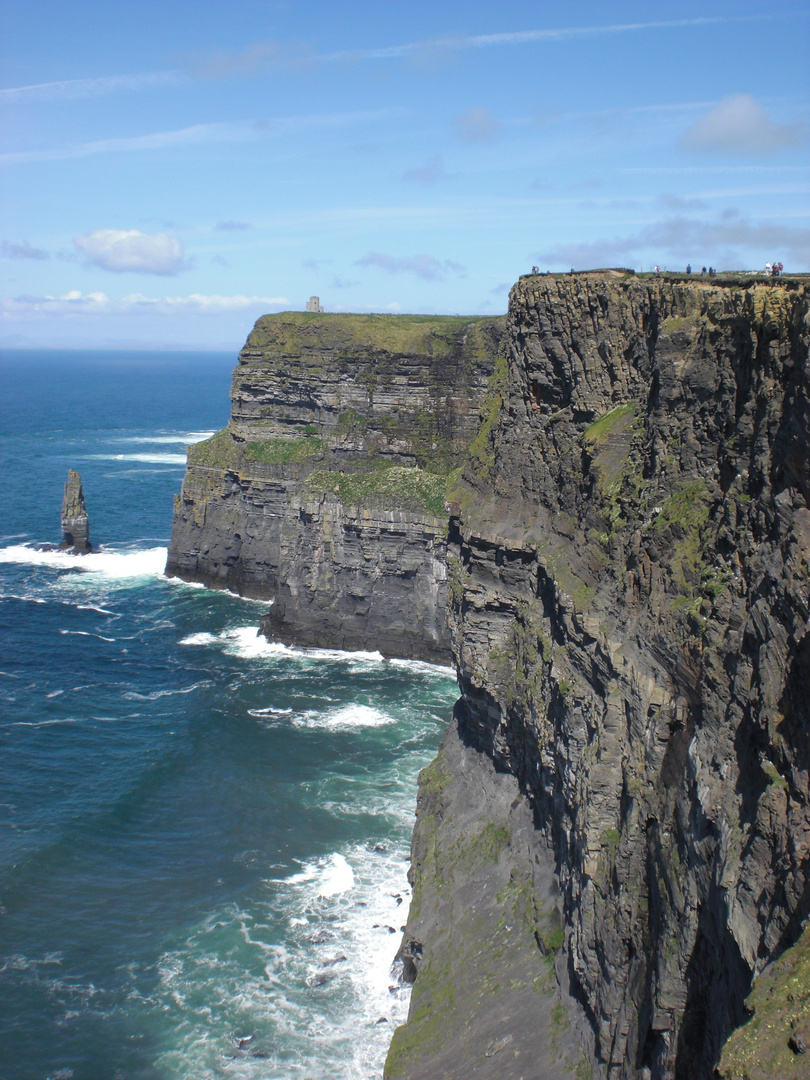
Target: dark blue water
(203, 836)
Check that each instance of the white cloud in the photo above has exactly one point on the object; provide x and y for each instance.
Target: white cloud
(477, 125)
(739, 125)
(131, 251)
(423, 266)
(74, 302)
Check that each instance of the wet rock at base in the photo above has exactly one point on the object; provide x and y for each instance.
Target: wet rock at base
(75, 522)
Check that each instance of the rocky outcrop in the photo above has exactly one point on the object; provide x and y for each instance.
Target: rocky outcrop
(629, 591)
(75, 522)
(326, 492)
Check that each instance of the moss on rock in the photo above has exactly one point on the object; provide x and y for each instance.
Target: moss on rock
(775, 1043)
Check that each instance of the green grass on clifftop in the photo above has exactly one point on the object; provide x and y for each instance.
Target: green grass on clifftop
(429, 334)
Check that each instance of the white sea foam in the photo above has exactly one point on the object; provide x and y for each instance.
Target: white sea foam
(186, 438)
(156, 695)
(85, 633)
(295, 984)
(149, 459)
(327, 877)
(422, 665)
(348, 717)
(203, 638)
(116, 565)
(245, 641)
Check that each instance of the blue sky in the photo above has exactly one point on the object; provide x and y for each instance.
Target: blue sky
(173, 170)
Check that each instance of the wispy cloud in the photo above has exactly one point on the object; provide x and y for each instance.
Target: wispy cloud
(739, 125)
(426, 267)
(82, 88)
(237, 131)
(98, 303)
(266, 54)
(232, 226)
(263, 55)
(23, 250)
(130, 251)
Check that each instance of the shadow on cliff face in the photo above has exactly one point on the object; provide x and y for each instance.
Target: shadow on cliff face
(717, 980)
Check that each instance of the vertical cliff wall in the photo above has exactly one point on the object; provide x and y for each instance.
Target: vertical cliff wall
(629, 591)
(326, 492)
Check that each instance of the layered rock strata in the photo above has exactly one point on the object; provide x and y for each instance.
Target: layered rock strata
(629, 592)
(75, 521)
(326, 492)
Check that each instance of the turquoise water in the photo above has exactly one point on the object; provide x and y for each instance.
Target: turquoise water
(203, 835)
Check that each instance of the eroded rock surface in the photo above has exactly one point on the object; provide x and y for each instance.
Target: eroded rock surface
(326, 492)
(75, 522)
(629, 587)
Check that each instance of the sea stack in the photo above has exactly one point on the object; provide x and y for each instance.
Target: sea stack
(75, 522)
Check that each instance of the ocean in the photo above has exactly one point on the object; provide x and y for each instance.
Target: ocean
(203, 835)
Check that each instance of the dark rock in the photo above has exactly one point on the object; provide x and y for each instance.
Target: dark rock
(75, 522)
(320, 978)
(326, 491)
(642, 677)
(798, 1042)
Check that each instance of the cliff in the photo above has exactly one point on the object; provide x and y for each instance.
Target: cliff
(325, 494)
(611, 859)
(629, 591)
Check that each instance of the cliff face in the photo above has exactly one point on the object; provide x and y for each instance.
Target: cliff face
(629, 591)
(614, 840)
(325, 493)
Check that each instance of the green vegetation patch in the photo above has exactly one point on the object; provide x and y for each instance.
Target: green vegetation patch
(766, 1047)
(390, 487)
(687, 508)
(614, 443)
(284, 451)
(431, 335)
(775, 779)
(481, 454)
(615, 420)
(222, 451)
